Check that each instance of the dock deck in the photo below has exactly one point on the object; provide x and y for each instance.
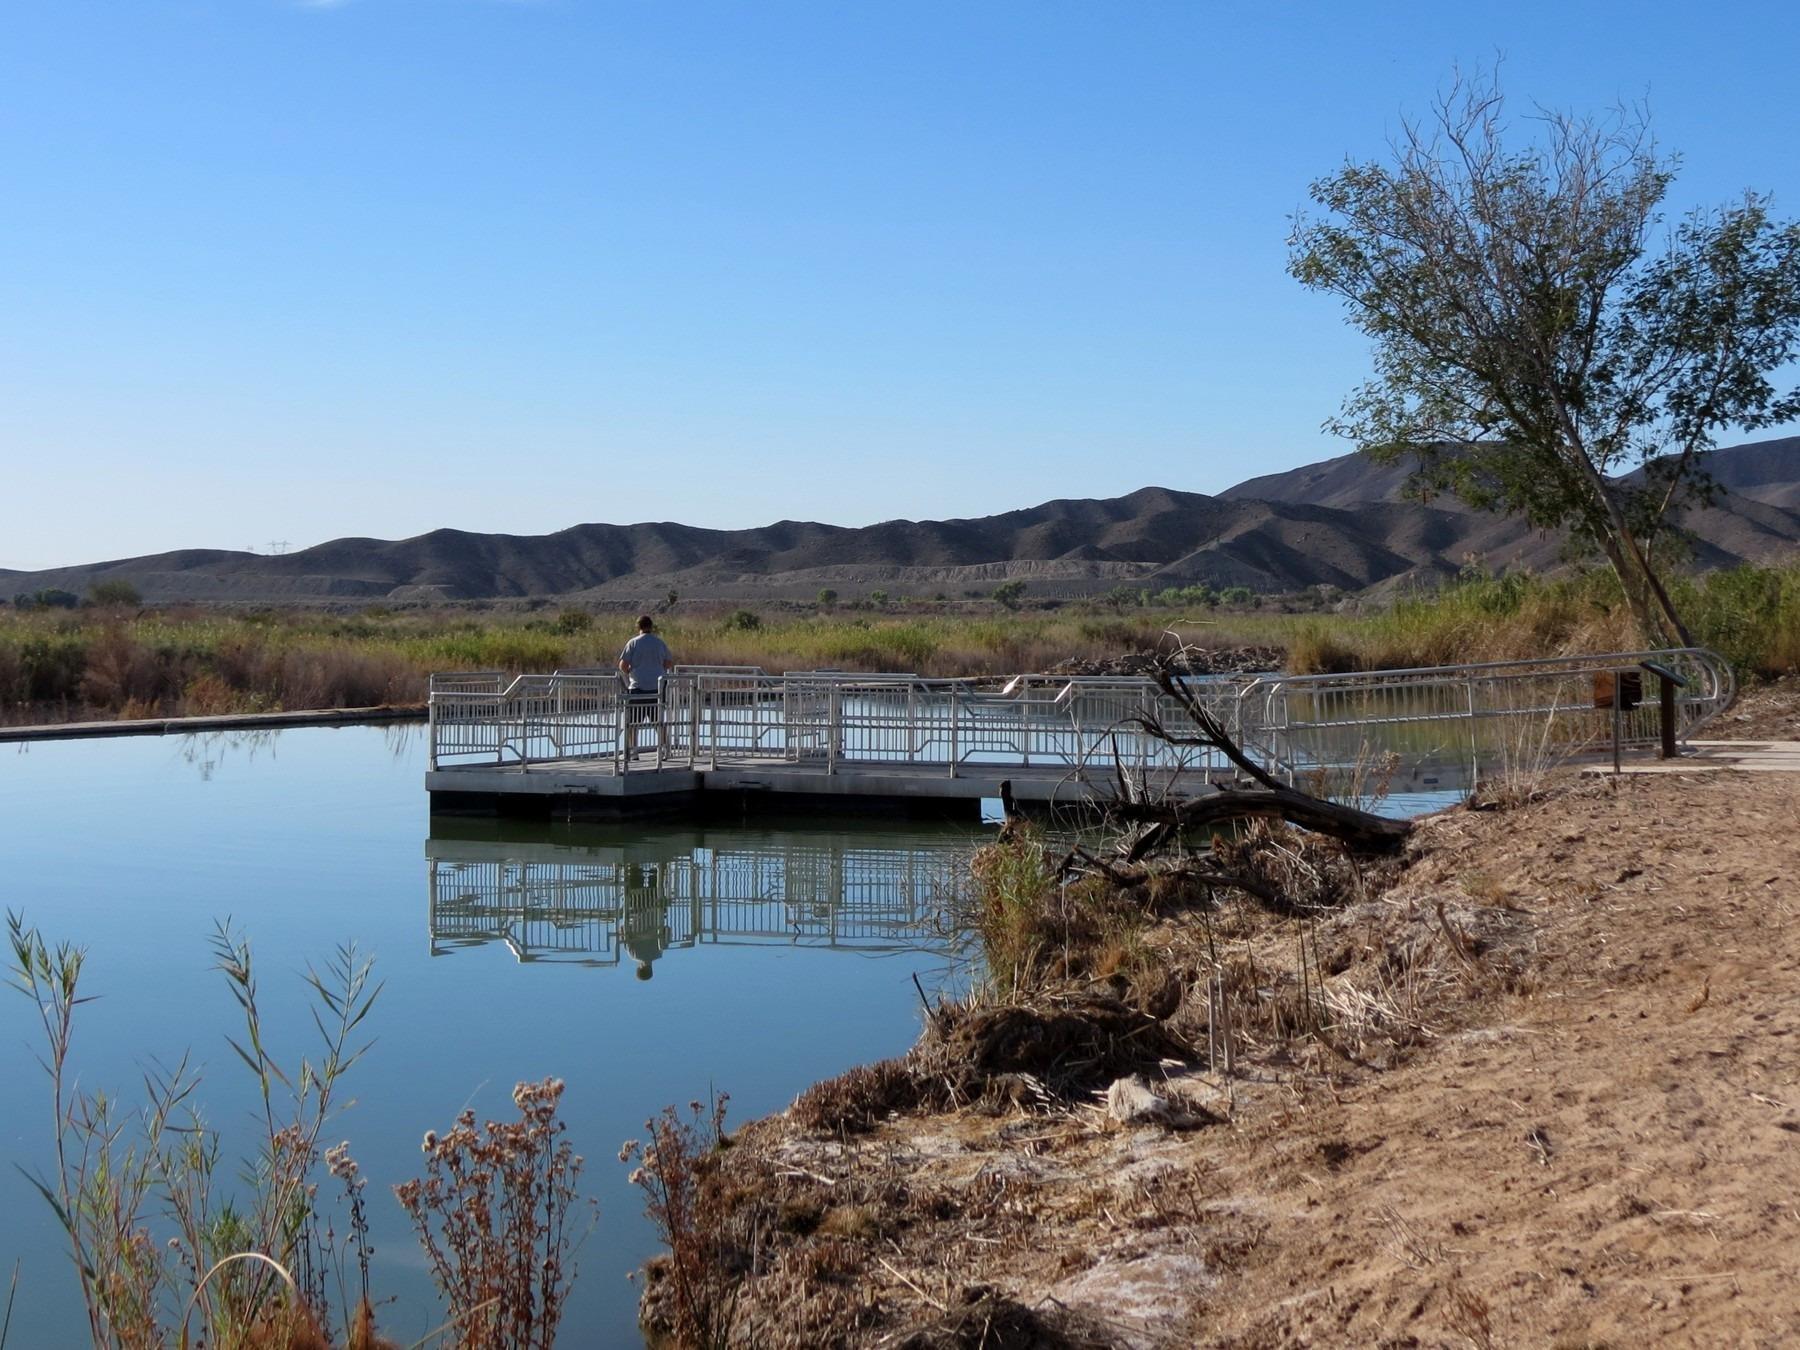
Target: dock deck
(582, 788)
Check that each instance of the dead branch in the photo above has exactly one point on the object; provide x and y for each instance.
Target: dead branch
(1363, 831)
(1212, 731)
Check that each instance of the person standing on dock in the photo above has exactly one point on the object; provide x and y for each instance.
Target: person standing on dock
(643, 663)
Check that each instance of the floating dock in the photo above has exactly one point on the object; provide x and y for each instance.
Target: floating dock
(730, 742)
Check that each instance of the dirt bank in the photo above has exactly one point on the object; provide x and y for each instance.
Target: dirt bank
(1534, 1085)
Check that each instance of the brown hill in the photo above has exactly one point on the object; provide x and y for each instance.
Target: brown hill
(1340, 523)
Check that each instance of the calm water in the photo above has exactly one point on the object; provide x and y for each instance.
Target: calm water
(775, 957)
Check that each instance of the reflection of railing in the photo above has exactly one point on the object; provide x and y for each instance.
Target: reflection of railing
(598, 905)
(707, 717)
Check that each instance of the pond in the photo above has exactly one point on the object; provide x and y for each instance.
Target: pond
(645, 965)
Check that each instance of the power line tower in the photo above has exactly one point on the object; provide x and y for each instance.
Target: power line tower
(278, 546)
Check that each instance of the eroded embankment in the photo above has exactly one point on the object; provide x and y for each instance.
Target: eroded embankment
(1534, 1083)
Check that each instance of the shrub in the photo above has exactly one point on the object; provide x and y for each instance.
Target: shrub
(48, 599)
(116, 592)
(703, 1295)
(1008, 593)
(742, 621)
(493, 1212)
(572, 621)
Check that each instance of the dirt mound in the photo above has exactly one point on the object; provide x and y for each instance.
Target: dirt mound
(1069, 1044)
(983, 1319)
(1054, 1048)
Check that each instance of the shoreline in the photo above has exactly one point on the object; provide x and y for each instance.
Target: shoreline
(176, 726)
(1479, 1139)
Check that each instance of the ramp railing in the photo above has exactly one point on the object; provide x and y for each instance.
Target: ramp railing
(1483, 713)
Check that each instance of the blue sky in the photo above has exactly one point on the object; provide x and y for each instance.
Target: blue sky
(275, 270)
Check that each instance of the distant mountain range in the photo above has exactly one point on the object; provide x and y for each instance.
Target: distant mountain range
(1342, 522)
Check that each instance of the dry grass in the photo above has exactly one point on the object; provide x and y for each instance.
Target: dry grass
(164, 662)
(493, 1214)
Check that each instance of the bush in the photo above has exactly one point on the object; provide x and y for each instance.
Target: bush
(572, 621)
(742, 621)
(48, 599)
(115, 592)
(1007, 593)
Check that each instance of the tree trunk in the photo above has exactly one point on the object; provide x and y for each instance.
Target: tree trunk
(1362, 830)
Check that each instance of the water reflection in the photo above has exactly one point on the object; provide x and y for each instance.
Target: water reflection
(606, 896)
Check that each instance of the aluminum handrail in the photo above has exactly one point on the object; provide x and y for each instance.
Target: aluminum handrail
(1084, 724)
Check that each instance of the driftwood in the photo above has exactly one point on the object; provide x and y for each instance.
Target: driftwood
(1126, 876)
(1363, 831)
(1158, 821)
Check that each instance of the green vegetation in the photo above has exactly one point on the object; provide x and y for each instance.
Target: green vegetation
(1008, 593)
(47, 599)
(57, 664)
(1539, 332)
(165, 1245)
(114, 593)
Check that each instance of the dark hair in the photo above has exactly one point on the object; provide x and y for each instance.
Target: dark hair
(645, 623)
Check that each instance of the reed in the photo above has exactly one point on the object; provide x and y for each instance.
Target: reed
(168, 1251)
(65, 664)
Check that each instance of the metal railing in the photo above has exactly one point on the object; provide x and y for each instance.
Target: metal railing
(710, 717)
(1480, 713)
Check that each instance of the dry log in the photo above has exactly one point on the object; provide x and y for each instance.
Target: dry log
(1363, 831)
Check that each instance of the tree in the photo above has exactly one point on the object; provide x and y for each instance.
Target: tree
(1008, 593)
(48, 599)
(1531, 349)
(827, 597)
(114, 592)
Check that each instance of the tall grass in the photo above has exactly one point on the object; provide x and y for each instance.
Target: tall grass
(57, 664)
(1749, 614)
(169, 1251)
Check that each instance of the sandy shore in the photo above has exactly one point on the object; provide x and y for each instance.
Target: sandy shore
(1534, 1084)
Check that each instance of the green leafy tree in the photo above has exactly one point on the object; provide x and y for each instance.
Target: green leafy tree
(1538, 335)
(878, 599)
(114, 592)
(827, 598)
(1008, 593)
